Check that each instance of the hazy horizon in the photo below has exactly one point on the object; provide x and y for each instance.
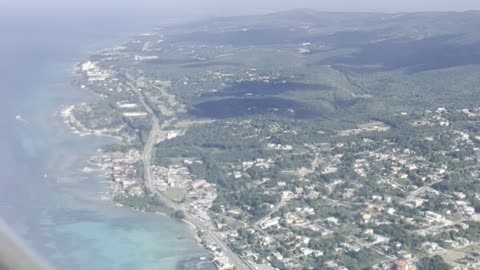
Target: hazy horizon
(234, 7)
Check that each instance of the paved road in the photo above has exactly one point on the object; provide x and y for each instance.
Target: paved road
(277, 207)
(156, 134)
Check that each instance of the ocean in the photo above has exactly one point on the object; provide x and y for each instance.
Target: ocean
(44, 196)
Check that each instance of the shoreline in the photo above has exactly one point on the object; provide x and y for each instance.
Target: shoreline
(76, 127)
(133, 173)
(67, 201)
(69, 118)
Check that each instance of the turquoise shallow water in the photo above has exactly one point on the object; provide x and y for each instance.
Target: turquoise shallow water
(44, 195)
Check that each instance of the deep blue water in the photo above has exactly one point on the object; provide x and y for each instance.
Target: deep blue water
(44, 195)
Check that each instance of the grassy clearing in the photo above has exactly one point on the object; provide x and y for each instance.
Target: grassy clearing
(175, 194)
(452, 255)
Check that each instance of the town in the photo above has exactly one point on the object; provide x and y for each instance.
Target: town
(245, 149)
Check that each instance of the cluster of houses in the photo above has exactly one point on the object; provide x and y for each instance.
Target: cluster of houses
(397, 265)
(433, 118)
(367, 127)
(221, 261)
(239, 170)
(409, 180)
(200, 194)
(173, 176)
(94, 73)
(469, 261)
(121, 167)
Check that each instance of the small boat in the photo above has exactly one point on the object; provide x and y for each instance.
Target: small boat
(18, 117)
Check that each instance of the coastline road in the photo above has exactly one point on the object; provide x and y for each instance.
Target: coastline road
(157, 134)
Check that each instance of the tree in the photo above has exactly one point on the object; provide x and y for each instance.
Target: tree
(180, 215)
(432, 263)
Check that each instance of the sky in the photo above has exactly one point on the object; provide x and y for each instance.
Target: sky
(234, 7)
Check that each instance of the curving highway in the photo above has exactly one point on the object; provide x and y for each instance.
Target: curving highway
(158, 134)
